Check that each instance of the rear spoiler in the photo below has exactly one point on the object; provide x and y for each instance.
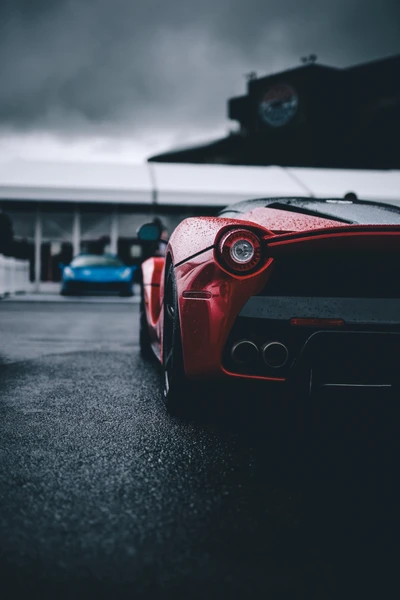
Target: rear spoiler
(343, 238)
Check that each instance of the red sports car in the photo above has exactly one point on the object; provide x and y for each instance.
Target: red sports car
(277, 290)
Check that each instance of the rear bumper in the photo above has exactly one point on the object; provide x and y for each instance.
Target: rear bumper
(348, 359)
(353, 311)
(363, 352)
(235, 310)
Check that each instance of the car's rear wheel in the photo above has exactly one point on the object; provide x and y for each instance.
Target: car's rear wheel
(177, 390)
(144, 336)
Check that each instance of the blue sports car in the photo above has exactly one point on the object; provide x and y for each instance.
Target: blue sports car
(97, 273)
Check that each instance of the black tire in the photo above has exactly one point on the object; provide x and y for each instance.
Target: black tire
(126, 291)
(146, 350)
(177, 389)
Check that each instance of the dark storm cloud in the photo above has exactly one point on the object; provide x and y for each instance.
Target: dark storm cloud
(126, 67)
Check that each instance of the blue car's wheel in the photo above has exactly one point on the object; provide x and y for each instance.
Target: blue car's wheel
(65, 291)
(127, 290)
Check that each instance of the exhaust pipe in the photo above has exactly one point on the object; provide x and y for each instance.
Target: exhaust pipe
(275, 354)
(244, 352)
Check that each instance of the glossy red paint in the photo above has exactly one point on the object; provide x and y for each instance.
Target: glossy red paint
(193, 250)
(282, 220)
(205, 324)
(152, 273)
(152, 270)
(196, 234)
(346, 237)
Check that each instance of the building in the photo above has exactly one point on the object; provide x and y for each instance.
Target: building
(60, 209)
(311, 116)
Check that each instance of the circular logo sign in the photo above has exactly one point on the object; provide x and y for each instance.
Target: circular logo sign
(279, 105)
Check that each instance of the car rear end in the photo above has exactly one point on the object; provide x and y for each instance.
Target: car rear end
(328, 314)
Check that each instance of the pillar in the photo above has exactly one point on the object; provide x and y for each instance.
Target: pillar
(38, 247)
(76, 231)
(114, 231)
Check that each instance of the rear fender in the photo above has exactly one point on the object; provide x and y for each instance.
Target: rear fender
(199, 234)
(207, 320)
(152, 272)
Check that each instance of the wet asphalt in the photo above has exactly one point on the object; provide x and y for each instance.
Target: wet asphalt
(104, 495)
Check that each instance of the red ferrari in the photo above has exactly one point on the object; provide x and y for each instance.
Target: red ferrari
(276, 290)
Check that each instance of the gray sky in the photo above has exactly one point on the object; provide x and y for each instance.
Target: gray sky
(134, 76)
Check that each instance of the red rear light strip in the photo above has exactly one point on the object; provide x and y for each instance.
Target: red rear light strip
(312, 322)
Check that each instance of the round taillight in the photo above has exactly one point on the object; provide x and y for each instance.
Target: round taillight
(240, 250)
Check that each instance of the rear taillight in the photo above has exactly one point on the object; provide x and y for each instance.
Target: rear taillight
(240, 251)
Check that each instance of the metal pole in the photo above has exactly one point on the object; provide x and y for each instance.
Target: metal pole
(114, 231)
(154, 190)
(38, 247)
(76, 231)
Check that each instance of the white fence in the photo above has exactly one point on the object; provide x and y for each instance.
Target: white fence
(14, 276)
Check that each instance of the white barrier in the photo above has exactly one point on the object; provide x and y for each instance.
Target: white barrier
(14, 276)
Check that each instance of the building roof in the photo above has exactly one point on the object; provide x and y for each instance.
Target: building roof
(169, 184)
(75, 182)
(218, 185)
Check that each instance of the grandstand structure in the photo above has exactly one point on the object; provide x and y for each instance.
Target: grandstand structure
(314, 116)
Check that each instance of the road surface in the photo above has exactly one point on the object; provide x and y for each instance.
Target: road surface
(103, 495)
